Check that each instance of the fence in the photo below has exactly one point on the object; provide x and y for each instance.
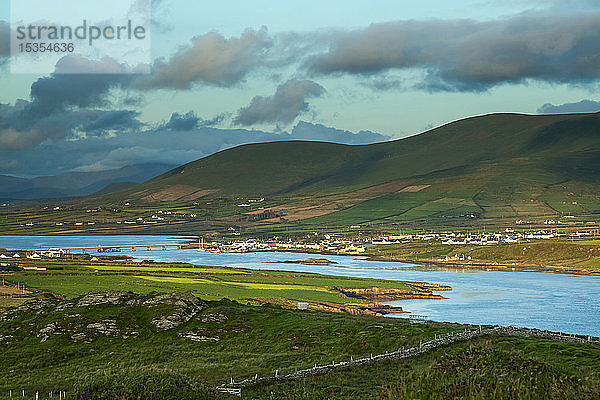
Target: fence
(423, 347)
(37, 395)
(235, 388)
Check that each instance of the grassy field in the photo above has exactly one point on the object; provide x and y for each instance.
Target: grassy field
(70, 279)
(252, 340)
(243, 338)
(487, 368)
(259, 340)
(582, 255)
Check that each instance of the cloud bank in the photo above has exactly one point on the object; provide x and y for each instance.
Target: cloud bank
(160, 145)
(210, 59)
(288, 102)
(467, 55)
(583, 106)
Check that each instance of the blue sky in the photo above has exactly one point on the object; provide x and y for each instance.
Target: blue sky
(392, 67)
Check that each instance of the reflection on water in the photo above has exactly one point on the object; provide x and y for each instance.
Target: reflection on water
(567, 303)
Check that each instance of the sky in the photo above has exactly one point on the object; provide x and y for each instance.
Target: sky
(232, 72)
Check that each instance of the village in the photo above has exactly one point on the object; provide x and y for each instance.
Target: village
(327, 243)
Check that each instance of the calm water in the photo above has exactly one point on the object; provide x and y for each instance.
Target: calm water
(567, 303)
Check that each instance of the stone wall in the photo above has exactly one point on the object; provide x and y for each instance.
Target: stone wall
(422, 348)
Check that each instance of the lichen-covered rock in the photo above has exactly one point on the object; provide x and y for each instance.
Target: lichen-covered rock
(80, 337)
(6, 339)
(186, 307)
(39, 306)
(213, 317)
(90, 319)
(113, 297)
(107, 327)
(47, 331)
(198, 337)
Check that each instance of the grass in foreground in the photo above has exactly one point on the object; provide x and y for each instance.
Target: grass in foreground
(486, 368)
(250, 340)
(258, 340)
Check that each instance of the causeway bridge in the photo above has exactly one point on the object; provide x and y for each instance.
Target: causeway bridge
(117, 248)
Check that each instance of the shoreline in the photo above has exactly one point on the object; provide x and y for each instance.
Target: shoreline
(442, 265)
(478, 265)
(488, 266)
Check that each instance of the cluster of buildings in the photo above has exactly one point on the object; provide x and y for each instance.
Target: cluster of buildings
(327, 245)
(33, 255)
(155, 217)
(492, 238)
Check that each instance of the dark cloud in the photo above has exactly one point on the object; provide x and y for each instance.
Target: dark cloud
(64, 105)
(189, 121)
(98, 122)
(58, 91)
(210, 59)
(63, 88)
(468, 55)
(213, 121)
(583, 106)
(183, 122)
(288, 102)
(21, 130)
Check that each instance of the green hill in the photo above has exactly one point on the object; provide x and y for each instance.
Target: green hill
(486, 170)
(492, 166)
(565, 144)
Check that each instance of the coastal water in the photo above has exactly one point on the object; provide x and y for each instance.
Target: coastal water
(558, 302)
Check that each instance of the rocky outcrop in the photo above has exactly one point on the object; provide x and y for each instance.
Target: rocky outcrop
(415, 291)
(375, 309)
(186, 306)
(38, 306)
(76, 319)
(198, 336)
(213, 317)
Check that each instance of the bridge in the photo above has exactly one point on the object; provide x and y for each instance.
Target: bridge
(116, 248)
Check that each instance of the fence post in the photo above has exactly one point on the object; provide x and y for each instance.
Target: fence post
(276, 372)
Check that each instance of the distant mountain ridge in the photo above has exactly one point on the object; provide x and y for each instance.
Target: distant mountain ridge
(71, 184)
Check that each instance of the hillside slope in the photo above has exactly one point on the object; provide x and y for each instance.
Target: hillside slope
(482, 171)
(567, 145)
